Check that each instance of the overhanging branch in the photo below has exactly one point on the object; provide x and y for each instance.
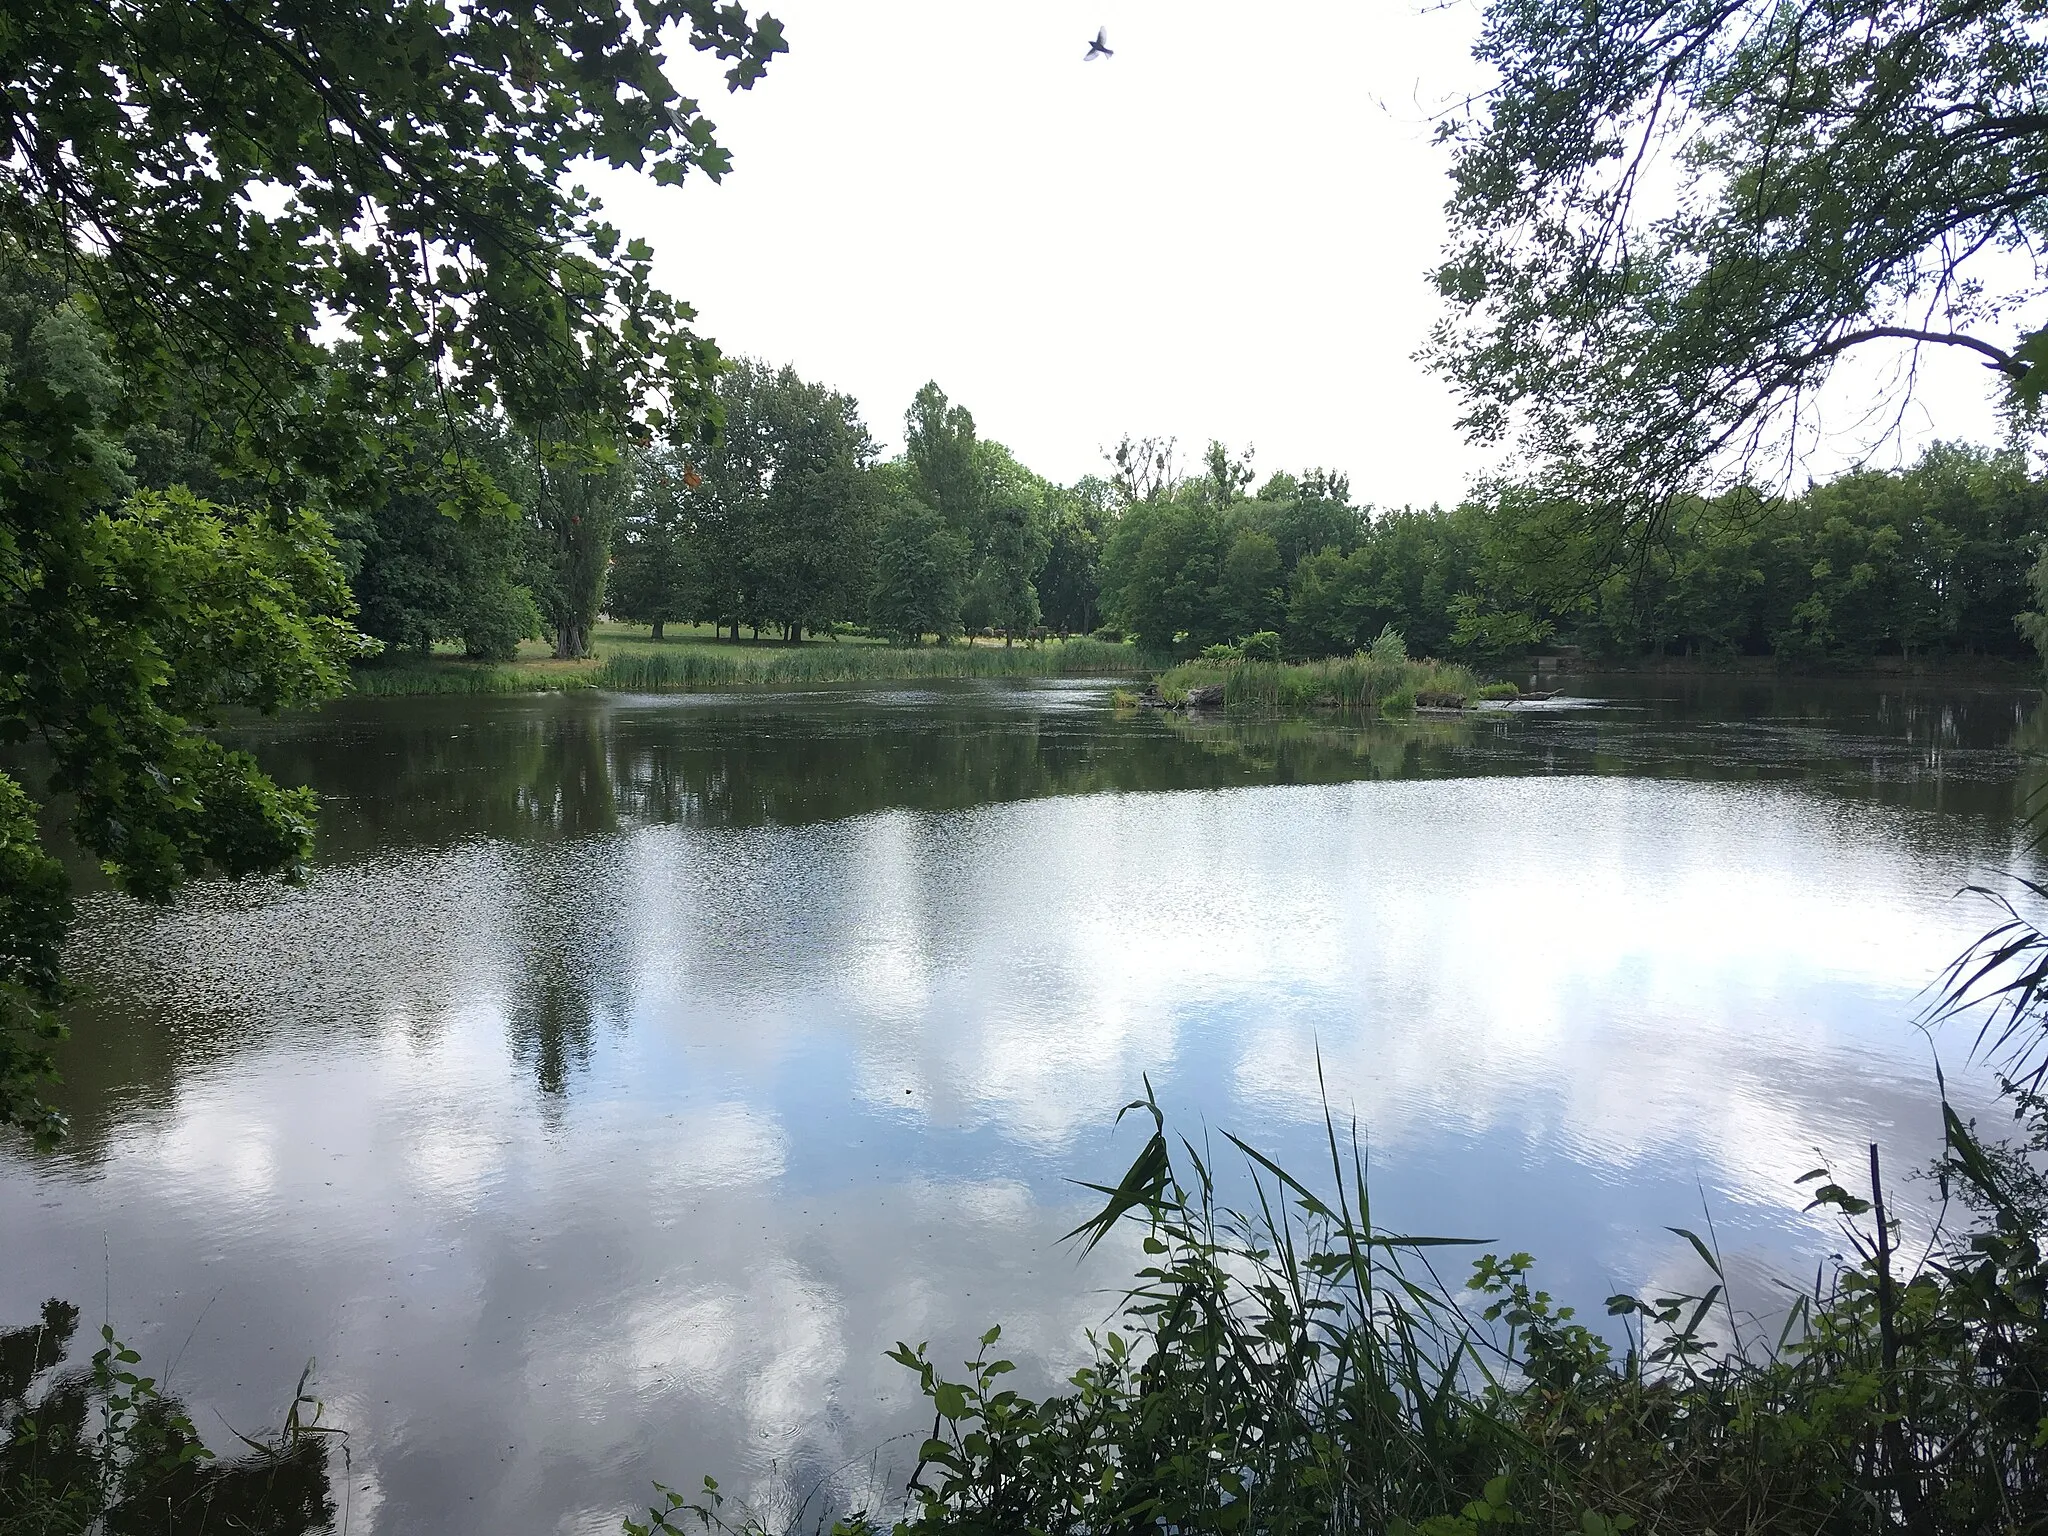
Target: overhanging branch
(2012, 367)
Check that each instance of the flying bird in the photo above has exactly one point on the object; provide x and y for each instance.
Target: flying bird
(1099, 49)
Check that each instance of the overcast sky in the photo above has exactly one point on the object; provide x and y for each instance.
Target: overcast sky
(1224, 231)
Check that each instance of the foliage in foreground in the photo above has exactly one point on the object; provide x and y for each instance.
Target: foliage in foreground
(1291, 1366)
(1672, 219)
(128, 618)
(103, 1448)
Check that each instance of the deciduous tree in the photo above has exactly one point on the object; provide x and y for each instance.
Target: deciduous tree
(1673, 219)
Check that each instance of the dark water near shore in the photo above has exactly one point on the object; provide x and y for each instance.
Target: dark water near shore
(635, 1071)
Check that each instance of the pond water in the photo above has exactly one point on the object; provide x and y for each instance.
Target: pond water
(634, 1072)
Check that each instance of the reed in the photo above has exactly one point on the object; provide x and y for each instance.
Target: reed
(689, 667)
(1288, 1365)
(1360, 682)
(451, 675)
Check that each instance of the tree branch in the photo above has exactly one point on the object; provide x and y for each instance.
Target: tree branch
(2004, 362)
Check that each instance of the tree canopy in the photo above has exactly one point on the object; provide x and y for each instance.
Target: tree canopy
(1672, 219)
(222, 179)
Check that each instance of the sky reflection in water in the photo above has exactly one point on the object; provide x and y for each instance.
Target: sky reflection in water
(634, 1072)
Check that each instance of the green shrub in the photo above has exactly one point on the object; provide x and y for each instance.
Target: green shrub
(495, 619)
(1263, 646)
(1494, 691)
(1396, 705)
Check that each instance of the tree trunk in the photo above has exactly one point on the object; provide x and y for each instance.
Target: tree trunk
(796, 633)
(572, 642)
(657, 628)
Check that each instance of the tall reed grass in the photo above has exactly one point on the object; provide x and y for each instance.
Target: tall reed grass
(449, 675)
(687, 667)
(1363, 682)
(1288, 1365)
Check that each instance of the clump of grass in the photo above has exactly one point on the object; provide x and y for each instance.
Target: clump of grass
(1124, 698)
(448, 675)
(1496, 691)
(1361, 682)
(689, 667)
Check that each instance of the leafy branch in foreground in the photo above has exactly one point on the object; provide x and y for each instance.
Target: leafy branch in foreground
(220, 179)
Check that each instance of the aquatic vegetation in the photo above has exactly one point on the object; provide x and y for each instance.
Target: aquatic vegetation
(634, 664)
(683, 668)
(448, 674)
(1363, 682)
(1286, 1364)
(105, 1448)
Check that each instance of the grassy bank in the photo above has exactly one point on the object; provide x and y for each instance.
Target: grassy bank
(451, 674)
(690, 666)
(1362, 682)
(628, 660)
(2000, 670)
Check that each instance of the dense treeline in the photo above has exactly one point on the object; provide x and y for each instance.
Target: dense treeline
(791, 524)
(1934, 559)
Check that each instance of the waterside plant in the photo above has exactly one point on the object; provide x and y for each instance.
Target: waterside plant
(103, 1448)
(686, 668)
(1285, 1364)
(1364, 681)
(629, 663)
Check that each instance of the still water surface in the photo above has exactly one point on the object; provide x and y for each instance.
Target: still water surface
(633, 1072)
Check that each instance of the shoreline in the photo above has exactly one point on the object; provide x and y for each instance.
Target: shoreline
(634, 663)
(1971, 669)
